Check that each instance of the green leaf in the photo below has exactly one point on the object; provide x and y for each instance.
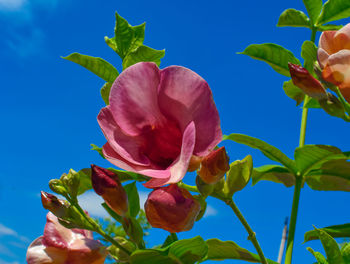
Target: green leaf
(312, 103)
(189, 251)
(293, 18)
(269, 151)
(128, 175)
(334, 231)
(98, 66)
(329, 27)
(310, 157)
(293, 92)
(331, 248)
(319, 257)
(238, 176)
(143, 53)
(334, 10)
(313, 8)
(309, 54)
(333, 175)
(105, 90)
(127, 38)
(274, 55)
(273, 173)
(133, 199)
(151, 256)
(85, 181)
(345, 251)
(221, 250)
(98, 149)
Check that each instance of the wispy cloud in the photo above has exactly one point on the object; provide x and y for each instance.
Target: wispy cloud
(6, 262)
(91, 202)
(4, 230)
(12, 5)
(211, 211)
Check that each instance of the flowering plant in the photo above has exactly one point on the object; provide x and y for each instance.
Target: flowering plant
(160, 123)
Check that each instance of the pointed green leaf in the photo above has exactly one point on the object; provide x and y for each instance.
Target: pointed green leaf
(98, 149)
(331, 248)
(274, 55)
(333, 175)
(238, 176)
(312, 103)
(151, 256)
(221, 250)
(334, 231)
(98, 66)
(127, 38)
(269, 151)
(329, 27)
(313, 8)
(345, 252)
(273, 173)
(309, 54)
(334, 10)
(293, 18)
(143, 53)
(85, 180)
(293, 92)
(319, 257)
(189, 251)
(105, 90)
(309, 157)
(133, 199)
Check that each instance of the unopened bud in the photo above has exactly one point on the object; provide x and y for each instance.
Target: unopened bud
(58, 207)
(306, 82)
(107, 185)
(195, 162)
(58, 187)
(171, 208)
(71, 181)
(214, 166)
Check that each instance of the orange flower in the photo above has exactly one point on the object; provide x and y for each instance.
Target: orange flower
(334, 58)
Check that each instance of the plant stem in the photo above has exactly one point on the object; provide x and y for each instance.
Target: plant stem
(97, 227)
(252, 236)
(174, 236)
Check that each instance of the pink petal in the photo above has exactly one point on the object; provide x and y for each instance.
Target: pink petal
(326, 41)
(185, 96)
(342, 38)
(126, 146)
(134, 100)
(118, 161)
(38, 254)
(179, 168)
(56, 235)
(322, 57)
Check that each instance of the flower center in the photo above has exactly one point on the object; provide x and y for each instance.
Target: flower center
(162, 144)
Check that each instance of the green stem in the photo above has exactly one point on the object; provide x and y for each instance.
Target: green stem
(252, 236)
(174, 236)
(97, 227)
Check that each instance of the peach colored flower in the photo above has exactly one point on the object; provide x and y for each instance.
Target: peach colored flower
(334, 58)
(157, 120)
(60, 245)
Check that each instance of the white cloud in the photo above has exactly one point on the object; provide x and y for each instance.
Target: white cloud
(211, 211)
(5, 262)
(91, 202)
(4, 230)
(12, 5)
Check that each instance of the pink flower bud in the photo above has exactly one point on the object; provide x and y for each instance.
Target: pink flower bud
(171, 208)
(53, 204)
(107, 185)
(60, 245)
(306, 82)
(214, 166)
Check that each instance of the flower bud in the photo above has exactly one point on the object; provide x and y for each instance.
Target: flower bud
(214, 166)
(58, 207)
(107, 185)
(306, 82)
(195, 162)
(71, 181)
(171, 208)
(119, 254)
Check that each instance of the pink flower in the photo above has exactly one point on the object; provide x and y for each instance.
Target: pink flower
(334, 58)
(60, 245)
(157, 120)
(171, 208)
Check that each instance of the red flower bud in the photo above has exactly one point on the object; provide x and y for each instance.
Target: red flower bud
(52, 203)
(171, 208)
(306, 82)
(214, 166)
(107, 185)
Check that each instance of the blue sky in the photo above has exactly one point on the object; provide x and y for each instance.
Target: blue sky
(49, 106)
